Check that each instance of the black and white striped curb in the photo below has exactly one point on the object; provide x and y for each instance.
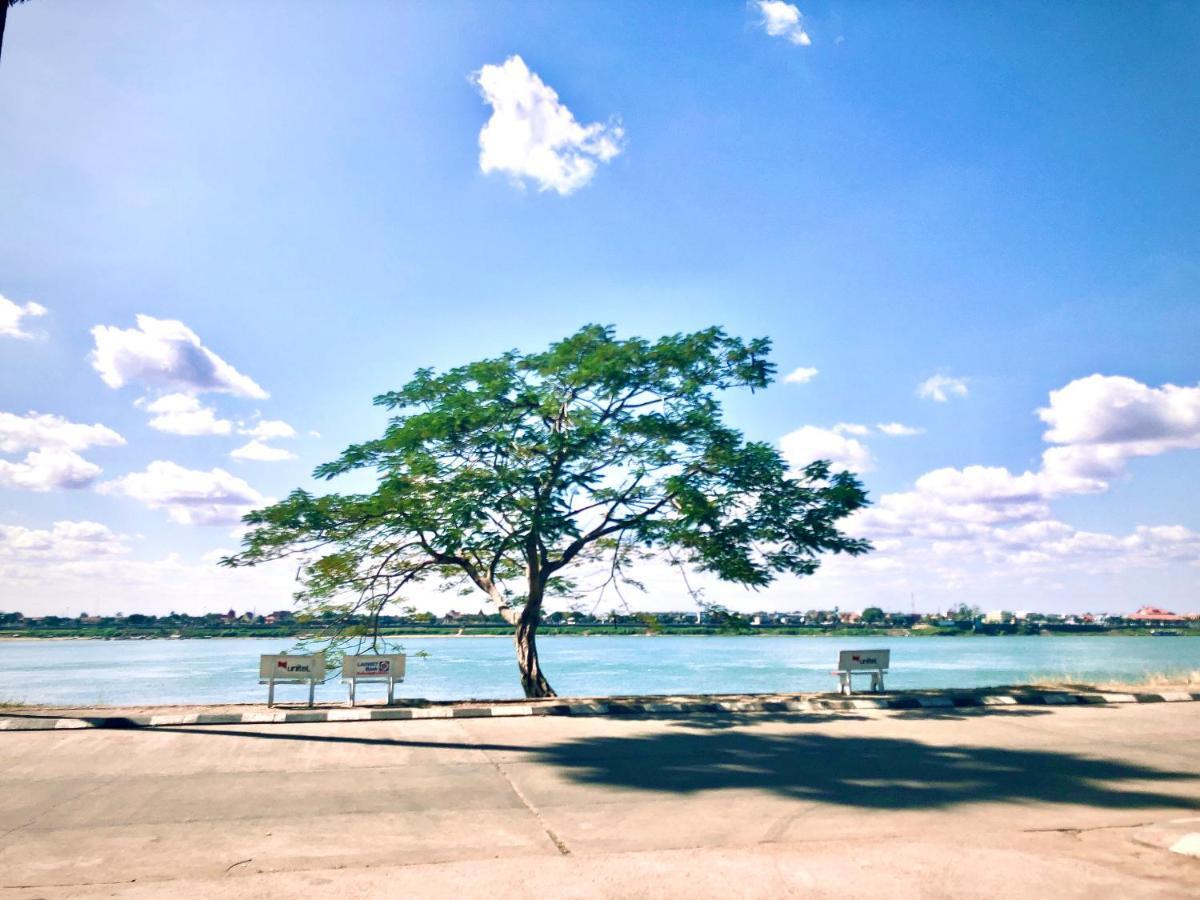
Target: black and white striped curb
(632, 706)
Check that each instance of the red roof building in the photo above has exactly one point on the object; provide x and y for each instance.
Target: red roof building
(1154, 614)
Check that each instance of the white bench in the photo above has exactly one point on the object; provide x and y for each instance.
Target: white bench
(376, 667)
(861, 662)
(280, 668)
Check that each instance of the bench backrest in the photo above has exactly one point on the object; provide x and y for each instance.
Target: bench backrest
(376, 665)
(863, 660)
(283, 667)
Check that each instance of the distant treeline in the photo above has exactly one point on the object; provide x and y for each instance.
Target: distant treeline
(713, 621)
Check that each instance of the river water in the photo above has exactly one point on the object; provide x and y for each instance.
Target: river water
(88, 672)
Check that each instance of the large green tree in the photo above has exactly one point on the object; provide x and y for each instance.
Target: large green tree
(505, 476)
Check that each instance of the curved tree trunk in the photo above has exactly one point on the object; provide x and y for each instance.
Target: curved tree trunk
(533, 681)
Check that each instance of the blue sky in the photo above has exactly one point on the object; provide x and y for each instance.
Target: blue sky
(1000, 196)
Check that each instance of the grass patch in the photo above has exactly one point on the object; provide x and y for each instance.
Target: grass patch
(1180, 679)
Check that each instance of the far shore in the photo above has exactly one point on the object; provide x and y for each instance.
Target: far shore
(691, 633)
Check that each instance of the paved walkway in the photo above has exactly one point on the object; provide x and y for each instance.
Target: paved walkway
(983, 802)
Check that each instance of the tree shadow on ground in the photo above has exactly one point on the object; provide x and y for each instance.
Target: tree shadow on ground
(846, 769)
(868, 772)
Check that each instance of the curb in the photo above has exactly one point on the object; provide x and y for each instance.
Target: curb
(617, 707)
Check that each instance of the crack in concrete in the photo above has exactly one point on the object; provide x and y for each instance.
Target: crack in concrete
(50, 809)
(1083, 830)
(558, 842)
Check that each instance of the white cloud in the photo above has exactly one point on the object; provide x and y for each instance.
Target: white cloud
(40, 431)
(783, 20)
(184, 414)
(852, 428)
(951, 503)
(809, 443)
(941, 388)
(165, 353)
(802, 375)
(1103, 421)
(65, 541)
(52, 462)
(190, 496)
(268, 429)
(898, 429)
(257, 451)
(47, 470)
(1107, 409)
(954, 518)
(11, 315)
(532, 134)
(64, 578)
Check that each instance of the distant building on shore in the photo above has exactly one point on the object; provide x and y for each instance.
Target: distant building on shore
(1152, 615)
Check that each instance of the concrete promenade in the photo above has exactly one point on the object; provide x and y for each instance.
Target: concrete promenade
(998, 801)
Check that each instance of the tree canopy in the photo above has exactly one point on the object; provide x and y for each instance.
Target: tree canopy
(506, 476)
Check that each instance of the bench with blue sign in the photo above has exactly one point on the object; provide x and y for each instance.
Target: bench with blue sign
(861, 662)
(379, 667)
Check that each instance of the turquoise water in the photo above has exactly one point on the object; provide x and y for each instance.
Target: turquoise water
(226, 671)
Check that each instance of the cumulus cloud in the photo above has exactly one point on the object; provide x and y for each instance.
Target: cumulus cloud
(802, 375)
(190, 496)
(1102, 421)
(165, 353)
(48, 470)
(184, 414)
(52, 462)
(39, 431)
(533, 135)
(12, 315)
(783, 20)
(809, 443)
(268, 429)
(941, 388)
(951, 502)
(64, 541)
(258, 451)
(1005, 519)
(1107, 409)
(898, 429)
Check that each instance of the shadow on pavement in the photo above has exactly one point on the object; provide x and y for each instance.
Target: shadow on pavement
(869, 772)
(847, 770)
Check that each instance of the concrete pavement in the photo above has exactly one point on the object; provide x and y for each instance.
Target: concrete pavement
(937, 802)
